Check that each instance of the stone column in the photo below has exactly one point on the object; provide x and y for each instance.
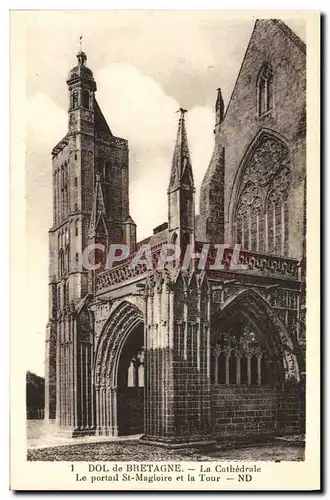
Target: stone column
(58, 374)
(177, 390)
(75, 395)
(98, 413)
(115, 410)
(50, 375)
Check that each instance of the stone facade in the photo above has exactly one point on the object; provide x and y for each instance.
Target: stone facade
(247, 130)
(252, 410)
(181, 355)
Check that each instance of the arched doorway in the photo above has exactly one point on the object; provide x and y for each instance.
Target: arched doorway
(252, 358)
(119, 373)
(130, 380)
(249, 344)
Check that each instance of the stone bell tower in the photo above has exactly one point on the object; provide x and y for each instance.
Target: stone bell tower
(90, 205)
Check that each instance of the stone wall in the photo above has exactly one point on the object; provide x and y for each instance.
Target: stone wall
(269, 43)
(238, 411)
(291, 409)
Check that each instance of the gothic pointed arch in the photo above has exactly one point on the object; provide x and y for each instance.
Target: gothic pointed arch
(192, 280)
(114, 368)
(247, 325)
(101, 226)
(258, 213)
(115, 331)
(194, 297)
(265, 91)
(180, 288)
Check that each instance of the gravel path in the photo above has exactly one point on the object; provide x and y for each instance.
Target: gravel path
(135, 451)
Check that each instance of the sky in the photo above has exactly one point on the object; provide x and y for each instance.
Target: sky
(146, 65)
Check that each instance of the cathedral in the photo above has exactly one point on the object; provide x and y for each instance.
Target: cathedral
(185, 356)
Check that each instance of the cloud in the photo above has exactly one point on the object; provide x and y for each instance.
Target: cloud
(46, 121)
(46, 124)
(200, 126)
(136, 106)
(138, 109)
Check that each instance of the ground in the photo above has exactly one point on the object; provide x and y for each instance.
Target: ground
(45, 443)
(135, 451)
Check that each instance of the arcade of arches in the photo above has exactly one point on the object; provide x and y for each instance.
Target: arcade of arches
(245, 369)
(238, 357)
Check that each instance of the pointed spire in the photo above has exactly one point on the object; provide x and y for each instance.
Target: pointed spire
(181, 172)
(219, 108)
(98, 215)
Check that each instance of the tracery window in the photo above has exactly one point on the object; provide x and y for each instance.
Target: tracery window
(238, 358)
(261, 217)
(265, 89)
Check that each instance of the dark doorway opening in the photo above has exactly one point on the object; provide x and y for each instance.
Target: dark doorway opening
(131, 384)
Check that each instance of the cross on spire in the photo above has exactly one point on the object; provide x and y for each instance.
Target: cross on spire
(81, 56)
(182, 113)
(181, 171)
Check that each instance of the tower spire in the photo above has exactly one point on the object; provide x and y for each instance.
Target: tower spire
(182, 113)
(181, 191)
(219, 110)
(211, 215)
(98, 215)
(181, 171)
